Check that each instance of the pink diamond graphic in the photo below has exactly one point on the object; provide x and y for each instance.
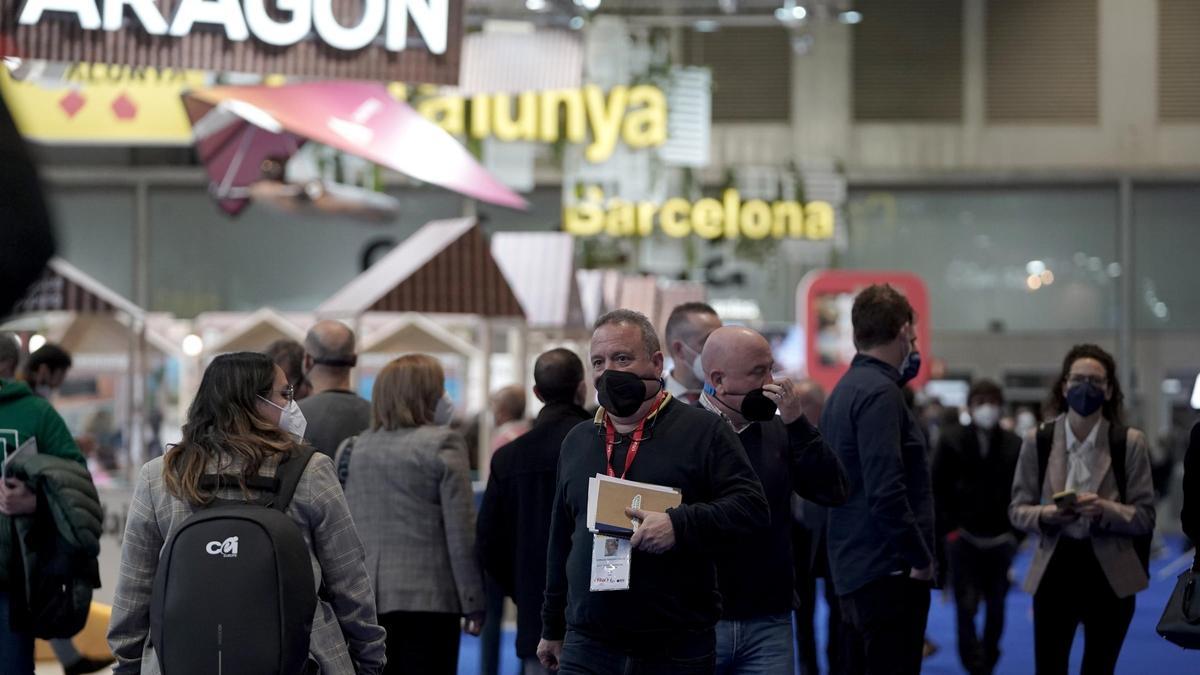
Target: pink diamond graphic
(72, 102)
(124, 108)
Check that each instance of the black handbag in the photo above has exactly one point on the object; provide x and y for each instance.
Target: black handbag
(1180, 622)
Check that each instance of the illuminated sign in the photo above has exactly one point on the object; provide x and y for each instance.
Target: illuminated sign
(709, 218)
(637, 115)
(359, 39)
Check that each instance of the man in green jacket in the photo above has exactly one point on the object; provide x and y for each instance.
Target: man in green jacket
(23, 415)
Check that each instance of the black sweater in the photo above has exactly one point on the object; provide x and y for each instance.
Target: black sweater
(757, 576)
(514, 519)
(971, 491)
(685, 448)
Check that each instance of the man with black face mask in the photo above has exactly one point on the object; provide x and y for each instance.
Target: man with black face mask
(756, 576)
(663, 623)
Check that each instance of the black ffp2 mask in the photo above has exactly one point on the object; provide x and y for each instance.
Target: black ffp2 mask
(756, 407)
(622, 392)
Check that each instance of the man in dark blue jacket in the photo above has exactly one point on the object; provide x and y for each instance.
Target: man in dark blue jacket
(881, 545)
(514, 520)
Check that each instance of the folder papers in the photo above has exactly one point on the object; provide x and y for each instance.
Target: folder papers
(608, 498)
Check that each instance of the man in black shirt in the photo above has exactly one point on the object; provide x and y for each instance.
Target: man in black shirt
(664, 622)
(514, 519)
(972, 484)
(881, 547)
(756, 576)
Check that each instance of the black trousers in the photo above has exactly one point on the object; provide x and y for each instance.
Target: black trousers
(838, 653)
(890, 614)
(979, 576)
(421, 642)
(1075, 591)
(682, 653)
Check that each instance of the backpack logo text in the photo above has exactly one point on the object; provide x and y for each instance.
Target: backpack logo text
(226, 549)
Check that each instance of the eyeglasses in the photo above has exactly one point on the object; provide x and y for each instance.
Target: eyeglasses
(1097, 380)
(288, 393)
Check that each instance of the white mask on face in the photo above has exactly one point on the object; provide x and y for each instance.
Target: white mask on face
(697, 365)
(986, 416)
(444, 413)
(291, 418)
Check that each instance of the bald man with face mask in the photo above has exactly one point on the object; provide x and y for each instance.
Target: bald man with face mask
(757, 576)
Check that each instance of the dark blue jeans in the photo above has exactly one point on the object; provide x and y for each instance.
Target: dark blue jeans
(758, 646)
(682, 654)
(16, 648)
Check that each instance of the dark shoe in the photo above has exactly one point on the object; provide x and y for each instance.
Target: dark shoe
(86, 665)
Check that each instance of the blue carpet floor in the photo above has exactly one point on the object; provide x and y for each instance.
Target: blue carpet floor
(1144, 652)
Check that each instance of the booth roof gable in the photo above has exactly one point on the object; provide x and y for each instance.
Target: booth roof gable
(445, 267)
(64, 287)
(540, 268)
(276, 323)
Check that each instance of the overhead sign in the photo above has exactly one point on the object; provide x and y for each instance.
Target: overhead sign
(346, 39)
(115, 104)
(728, 218)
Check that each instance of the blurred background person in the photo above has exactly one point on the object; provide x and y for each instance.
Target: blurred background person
(409, 490)
(688, 327)
(289, 355)
(334, 412)
(508, 414)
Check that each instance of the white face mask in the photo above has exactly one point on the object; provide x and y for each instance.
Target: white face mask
(697, 365)
(291, 418)
(986, 416)
(444, 413)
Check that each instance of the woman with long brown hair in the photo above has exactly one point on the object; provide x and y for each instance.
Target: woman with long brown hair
(409, 491)
(244, 422)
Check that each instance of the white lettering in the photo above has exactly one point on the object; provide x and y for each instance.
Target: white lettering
(280, 34)
(226, 549)
(213, 548)
(349, 39)
(432, 18)
(89, 15)
(144, 10)
(225, 13)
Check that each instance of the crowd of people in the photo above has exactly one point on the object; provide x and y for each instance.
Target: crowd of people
(779, 485)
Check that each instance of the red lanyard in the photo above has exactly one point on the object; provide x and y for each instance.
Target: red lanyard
(610, 438)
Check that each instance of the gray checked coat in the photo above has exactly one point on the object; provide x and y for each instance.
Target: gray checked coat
(410, 494)
(346, 636)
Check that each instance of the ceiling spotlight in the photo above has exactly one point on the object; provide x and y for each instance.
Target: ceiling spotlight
(36, 342)
(802, 44)
(576, 23)
(589, 5)
(1034, 282)
(706, 26)
(850, 18)
(790, 12)
(535, 5)
(193, 345)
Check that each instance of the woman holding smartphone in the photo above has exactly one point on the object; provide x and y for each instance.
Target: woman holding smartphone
(1083, 487)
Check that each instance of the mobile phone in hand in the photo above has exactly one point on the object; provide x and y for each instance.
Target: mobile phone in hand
(1066, 500)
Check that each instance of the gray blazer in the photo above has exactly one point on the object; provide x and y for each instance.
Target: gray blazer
(410, 494)
(1112, 534)
(346, 637)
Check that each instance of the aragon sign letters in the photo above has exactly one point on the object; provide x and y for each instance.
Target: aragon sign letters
(405, 40)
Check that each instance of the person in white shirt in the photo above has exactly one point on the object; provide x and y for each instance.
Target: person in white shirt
(688, 328)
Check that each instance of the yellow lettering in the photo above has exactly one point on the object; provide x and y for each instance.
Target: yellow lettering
(606, 120)
(733, 202)
(621, 219)
(524, 127)
(756, 219)
(446, 112)
(398, 90)
(584, 220)
(789, 220)
(674, 218)
(646, 126)
(645, 218)
(820, 220)
(481, 117)
(576, 118)
(77, 71)
(707, 215)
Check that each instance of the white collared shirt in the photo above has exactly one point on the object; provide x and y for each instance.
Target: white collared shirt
(711, 406)
(1082, 474)
(676, 389)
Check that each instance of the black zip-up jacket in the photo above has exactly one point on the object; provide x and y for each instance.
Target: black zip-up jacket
(670, 593)
(971, 491)
(757, 576)
(886, 526)
(513, 529)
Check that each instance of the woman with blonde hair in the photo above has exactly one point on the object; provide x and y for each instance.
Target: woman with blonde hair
(408, 486)
(244, 422)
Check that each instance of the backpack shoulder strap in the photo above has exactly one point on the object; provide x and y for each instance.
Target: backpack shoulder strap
(1118, 437)
(1045, 441)
(343, 459)
(289, 472)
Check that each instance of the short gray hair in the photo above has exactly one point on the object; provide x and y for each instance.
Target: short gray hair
(632, 318)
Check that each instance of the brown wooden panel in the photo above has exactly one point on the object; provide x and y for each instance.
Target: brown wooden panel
(53, 293)
(908, 61)
(751, 72)
(60, 38)
(1178, 60)
(1043, 61)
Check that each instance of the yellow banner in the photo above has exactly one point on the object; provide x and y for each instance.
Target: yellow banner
(100, 104)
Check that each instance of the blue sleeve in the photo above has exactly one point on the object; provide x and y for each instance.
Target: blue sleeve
(878, 426)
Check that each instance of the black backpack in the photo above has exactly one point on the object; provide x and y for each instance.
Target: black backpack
(1117, 440)
(234, 591)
